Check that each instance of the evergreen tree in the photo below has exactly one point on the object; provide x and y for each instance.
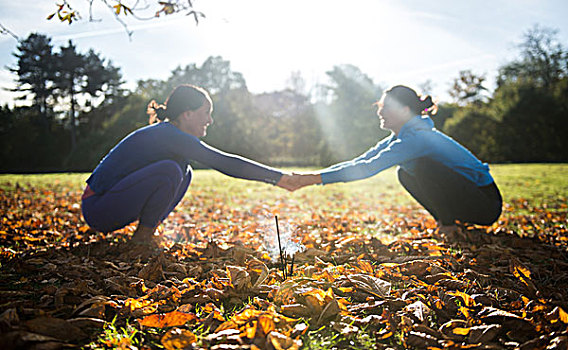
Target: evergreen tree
(36, 71)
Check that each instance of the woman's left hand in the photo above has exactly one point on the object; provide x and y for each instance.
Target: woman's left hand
(292, 182)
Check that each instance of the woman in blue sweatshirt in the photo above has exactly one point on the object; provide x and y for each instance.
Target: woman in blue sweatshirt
(147, 173)
(442, 175)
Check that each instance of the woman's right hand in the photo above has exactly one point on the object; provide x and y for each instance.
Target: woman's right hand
(294, 181)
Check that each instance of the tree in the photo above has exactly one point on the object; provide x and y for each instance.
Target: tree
(468, 88)
(346, 113)
(102, 89)
(70, 80)
(475, 128)
(86, 76)
(543, 60)
(291, 132)
(531, 100)
(215, 75)
(533, 123)
(36, 72)
(102, 78)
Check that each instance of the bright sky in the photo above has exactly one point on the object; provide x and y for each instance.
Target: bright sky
(392, 41)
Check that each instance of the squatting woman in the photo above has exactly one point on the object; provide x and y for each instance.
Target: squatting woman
(147, 173)
(442, 175)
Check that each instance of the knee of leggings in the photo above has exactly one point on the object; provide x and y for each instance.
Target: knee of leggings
(402, 175)
(171, 170)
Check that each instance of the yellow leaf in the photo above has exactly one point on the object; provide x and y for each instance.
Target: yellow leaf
(250, 329)
(460, 331)
(389, 264)
(464, 311)
(266, 323)
(170, 319)
(384, 335)
(519, 270)
(366, 266)
(467, 299)
(562, 315)
(134, 304)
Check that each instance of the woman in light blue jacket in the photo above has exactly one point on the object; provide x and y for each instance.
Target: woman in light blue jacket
(442, 175)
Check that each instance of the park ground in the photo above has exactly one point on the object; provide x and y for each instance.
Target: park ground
(372, 275)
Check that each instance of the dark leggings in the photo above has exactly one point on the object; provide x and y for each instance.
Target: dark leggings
(449, 196)
(148, 194)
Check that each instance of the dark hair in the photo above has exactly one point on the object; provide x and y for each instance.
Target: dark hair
(183, 98)
(418, 104)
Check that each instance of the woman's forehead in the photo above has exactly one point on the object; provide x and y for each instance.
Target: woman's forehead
(386, 99)
(207, 105)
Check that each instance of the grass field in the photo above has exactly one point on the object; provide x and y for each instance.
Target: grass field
(537, 183)
(59, 275)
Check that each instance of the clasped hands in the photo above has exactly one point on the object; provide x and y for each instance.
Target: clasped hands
(294, 181)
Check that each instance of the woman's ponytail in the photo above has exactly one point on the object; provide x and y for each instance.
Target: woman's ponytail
(157, 113)
(427, 105)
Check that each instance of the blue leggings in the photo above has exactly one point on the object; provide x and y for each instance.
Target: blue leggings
(148, 195)
(449, 196)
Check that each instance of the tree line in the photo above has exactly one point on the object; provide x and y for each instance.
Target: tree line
(77, 110)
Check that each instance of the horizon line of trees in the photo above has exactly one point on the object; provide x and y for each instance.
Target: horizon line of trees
(78, 110)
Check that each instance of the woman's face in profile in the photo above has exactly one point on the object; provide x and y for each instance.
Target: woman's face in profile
(196, 122)
(386, 112)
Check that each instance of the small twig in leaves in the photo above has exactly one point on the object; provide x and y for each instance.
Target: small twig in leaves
(292, 266)
(282, 261)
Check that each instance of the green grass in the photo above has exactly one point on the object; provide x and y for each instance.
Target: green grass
(537, 183)
(57, 181)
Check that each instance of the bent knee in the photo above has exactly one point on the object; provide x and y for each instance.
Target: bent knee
(171, 171)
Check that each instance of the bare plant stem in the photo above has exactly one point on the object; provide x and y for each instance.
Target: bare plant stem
(282, 261)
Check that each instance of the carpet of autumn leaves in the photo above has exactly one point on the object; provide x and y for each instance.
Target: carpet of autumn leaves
(369, 277)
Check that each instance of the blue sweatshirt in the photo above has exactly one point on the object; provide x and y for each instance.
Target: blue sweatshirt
(417, 138)
(164, 141)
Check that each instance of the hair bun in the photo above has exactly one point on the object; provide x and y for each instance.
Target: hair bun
(427, 105)
(426, 102)
(156, 112)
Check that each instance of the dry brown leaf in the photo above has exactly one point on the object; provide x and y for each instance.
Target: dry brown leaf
(170, 319)
(178, 339)
(295, 310)
(56, 328)
(370, 284)
(484, 333)
(239, 278)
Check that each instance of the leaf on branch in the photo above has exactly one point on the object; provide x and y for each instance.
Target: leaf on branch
(65, 13)
(125, 9)
(167, 8)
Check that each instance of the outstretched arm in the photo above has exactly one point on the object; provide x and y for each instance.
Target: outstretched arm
(191, 148)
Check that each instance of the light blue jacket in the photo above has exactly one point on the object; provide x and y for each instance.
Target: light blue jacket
(417, 138)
